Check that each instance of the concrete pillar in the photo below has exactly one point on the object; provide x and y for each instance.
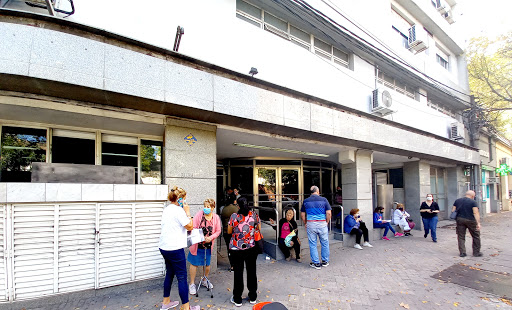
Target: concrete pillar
(356, 180)
(416, 186)
(190, 162)
(505, 198)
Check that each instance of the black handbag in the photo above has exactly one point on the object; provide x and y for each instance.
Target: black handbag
(453, 215)
(258, 242)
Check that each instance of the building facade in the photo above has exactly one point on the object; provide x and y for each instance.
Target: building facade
(343, 96)
(504, 172)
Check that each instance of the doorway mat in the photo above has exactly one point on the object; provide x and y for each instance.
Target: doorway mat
(496, 283)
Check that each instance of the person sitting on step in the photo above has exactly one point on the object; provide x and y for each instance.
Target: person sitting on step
(355, 226)
(379, 222)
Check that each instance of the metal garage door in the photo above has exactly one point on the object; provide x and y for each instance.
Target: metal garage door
(54, 248)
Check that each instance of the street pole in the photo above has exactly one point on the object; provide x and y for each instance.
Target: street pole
(474, 137)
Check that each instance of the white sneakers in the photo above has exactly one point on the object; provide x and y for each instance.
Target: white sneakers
(366, 244)
(192, 289)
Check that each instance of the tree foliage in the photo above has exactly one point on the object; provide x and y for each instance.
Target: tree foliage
(490, 77)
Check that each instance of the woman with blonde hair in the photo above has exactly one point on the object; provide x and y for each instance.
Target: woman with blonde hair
(200, 253)
(176, 221)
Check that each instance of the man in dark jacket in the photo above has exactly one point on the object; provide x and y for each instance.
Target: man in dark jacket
(468, 216)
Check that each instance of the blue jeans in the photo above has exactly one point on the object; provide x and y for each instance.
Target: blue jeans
(387, 227)
(175, 264)
(314, 231)
(430, 224)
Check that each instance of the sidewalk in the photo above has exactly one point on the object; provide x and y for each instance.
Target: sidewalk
(395, 274)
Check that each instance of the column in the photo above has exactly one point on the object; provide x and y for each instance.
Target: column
(416, 187)
(356, 183)
(190, 162)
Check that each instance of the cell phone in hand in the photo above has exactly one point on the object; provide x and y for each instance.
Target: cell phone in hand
(180, 202)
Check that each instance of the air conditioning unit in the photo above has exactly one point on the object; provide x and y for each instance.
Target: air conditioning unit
(381, 102)
(417, 39)
(443, 7)
(449, 17)
(457, 131)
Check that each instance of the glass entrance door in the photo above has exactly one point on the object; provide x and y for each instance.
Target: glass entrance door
(290, 190)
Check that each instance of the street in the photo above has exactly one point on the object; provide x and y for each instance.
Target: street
(403, 273)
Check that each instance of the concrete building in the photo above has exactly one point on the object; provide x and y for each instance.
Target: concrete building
(357, 95)
(504, 172)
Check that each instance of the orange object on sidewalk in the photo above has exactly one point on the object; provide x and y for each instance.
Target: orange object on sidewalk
(260, 305)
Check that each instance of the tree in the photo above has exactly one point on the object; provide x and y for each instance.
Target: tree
(490, 78)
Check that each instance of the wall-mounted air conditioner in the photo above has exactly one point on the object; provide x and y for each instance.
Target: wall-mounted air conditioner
(457, 131)
(449, 17)
(381, 102)
(417, 39)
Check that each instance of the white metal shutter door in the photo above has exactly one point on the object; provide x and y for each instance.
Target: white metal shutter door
(33, 243)
(115, 244)
(148, 260)
(3, 257)
(77, 240)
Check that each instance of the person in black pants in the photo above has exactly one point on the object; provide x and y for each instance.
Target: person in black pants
(286, 226)
(242, 226)
(355, 226)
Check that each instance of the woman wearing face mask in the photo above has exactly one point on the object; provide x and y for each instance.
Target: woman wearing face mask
(286, 226)
(354, 225)
(429, 210)
(201, 253)
(400, 218)
(379, 222)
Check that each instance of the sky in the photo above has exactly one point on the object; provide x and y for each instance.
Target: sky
(482, 18)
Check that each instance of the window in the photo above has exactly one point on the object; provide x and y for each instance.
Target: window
(20, 147)
(398, 85)
(73, 147)
(401, 27)
(437, 107)
(282, 28)
(119, 151)
(442, 61)
(151, 162)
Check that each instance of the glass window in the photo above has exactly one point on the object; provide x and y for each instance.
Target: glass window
(296, 32)
(119, 151)
(340, 54)
(311, 177)
(242, 178)
(73, 147)
(249, 20)
(396, 177)
(326, 189)
(150, 162)
(20, 148)
(248, 9)
(276, 22)
(323, 46)
(443, 62)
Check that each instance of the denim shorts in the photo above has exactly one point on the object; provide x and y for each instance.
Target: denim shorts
(199, 259)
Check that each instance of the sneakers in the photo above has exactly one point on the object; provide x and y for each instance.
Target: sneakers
(234, 303)
(195, 308)
(385, 238)
(252, 302)
(316, 266)
(170, 305)
(357, 246)
(205, 284)
(367, 244)
(325, 264)
(397, 234)
(192, 289)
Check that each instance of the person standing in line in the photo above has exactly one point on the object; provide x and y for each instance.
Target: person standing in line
(226, 213)
(242, 226)
(316, 214)
(176, 221)
(468, 216)
(429, 210)
(200, 253)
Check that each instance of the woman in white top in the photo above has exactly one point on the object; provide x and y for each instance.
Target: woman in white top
(400, 218)
(176, 221)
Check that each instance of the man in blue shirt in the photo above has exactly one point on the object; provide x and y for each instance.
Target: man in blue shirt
(316, 214)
